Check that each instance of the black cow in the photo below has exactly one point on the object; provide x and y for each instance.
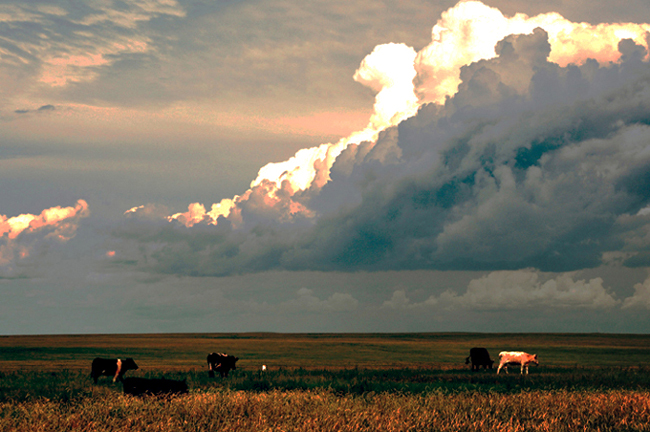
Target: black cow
(479, 357)
(111, 367)
(221, 363)
(144, 386)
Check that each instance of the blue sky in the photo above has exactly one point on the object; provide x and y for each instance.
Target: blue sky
(333, 166)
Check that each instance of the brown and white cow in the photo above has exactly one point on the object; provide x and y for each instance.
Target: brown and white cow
(510, 358)
(111, 367)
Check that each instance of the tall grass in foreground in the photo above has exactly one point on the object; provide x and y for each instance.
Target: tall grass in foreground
(549, 399)
(66, 385)
(322, 410)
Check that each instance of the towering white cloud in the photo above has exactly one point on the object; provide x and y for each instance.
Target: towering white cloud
(469, 32)
(507, 143)
(404, 80)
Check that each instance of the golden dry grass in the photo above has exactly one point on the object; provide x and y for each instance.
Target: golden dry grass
(324, 411)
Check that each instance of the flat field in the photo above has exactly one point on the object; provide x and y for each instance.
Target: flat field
(320, 351)
(330, 382)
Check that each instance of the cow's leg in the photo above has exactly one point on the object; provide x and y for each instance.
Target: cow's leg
(499, 368)
(210, 370)
(119, 369)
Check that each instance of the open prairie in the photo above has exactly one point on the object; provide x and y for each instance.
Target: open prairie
(322, 382)
(319, 351)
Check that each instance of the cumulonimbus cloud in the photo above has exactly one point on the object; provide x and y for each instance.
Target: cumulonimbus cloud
(21, 235)
(466, 33)
(513, 143)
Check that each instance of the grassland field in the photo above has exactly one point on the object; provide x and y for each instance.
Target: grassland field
(322, 382)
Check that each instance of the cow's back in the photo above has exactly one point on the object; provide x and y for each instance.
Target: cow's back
(511, 355)
(221, 363)
(152, 386)
(103, 365)
(479, 357)
(479, 354)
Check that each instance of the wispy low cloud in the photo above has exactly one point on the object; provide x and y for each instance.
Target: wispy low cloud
(44, 108)
(516, 290)
(307, 301)
(400, 300)
(47, 49)
(641, 297)
(523, 289)
(28, 234)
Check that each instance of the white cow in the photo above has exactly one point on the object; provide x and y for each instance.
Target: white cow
(507, 358)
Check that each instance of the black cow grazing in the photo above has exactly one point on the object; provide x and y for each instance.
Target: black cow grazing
(479, 357)
(221, 363)
(144, 386)
(111, 367)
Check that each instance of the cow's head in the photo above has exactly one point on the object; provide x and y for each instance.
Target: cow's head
(535, 360)
(129, 363)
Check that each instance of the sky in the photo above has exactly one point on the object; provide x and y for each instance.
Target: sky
(324, 166)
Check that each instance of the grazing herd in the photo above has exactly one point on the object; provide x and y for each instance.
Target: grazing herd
(224, 363)
(480, 357)
(116, 368)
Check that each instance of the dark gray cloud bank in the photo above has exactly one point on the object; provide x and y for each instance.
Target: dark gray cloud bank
(550, 172)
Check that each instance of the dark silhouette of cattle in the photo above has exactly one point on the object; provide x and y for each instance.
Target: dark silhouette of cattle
(145, 386)
(221, 363)
(479, 357)
(111, 367)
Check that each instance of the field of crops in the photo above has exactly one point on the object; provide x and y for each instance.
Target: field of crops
(330, 382)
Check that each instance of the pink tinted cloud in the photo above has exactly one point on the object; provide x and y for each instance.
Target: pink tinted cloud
(82, 66)
(19, 235)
